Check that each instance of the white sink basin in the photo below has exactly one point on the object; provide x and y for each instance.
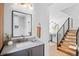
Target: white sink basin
(25, 44)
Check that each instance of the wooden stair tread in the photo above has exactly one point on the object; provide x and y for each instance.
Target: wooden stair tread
(71, 47)
(69, 43)
(72, 31)
(68, 40)
(71, 37)
(73, 28)
(70, 52)
(71, 34)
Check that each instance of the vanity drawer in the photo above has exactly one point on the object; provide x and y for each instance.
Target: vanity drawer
(18, 53)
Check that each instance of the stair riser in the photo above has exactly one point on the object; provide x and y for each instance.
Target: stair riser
(74, 32)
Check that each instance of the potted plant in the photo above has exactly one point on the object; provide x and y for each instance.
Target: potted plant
(8, 40)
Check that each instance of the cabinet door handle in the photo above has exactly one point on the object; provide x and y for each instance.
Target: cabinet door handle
(30, 52)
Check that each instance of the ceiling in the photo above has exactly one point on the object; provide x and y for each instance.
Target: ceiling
(61, 6)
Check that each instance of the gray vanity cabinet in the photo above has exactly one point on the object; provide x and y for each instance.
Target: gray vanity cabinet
(34, 51)
(38, 51)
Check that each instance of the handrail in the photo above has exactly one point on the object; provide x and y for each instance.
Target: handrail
(77, 42)
(62, 25)
(63, 29)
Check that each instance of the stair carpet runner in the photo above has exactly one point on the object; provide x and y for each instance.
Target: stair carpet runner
(68, 45)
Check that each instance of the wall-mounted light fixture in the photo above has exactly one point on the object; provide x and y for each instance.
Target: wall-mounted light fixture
(24, 5)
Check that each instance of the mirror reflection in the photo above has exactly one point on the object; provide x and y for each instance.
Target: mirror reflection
(21, 24)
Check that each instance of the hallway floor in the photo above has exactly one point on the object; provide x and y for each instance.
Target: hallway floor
(53, 50)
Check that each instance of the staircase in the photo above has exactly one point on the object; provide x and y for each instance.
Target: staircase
(68, 38)
(68, 43)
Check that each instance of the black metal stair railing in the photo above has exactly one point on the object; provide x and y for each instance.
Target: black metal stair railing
(77, 43)
(62, 31)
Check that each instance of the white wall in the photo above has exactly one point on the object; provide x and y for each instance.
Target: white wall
(59, 12)
(40, 14)
(74, 13)
(7, 19)
(57, 17)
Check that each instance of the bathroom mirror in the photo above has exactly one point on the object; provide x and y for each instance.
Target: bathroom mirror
(21, 24)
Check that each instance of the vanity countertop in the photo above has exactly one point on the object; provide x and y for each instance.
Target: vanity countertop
(20, 46)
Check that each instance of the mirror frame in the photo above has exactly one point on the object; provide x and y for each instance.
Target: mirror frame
(13, 20)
